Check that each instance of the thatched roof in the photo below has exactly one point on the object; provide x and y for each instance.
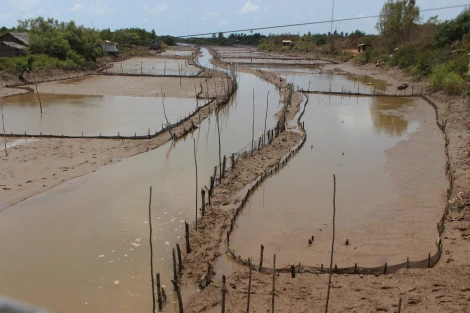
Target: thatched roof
(13, 45)
(22, 37)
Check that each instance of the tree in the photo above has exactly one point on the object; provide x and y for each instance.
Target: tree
(396, 20)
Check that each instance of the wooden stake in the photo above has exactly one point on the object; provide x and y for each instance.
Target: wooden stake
(266, 117)
(399, 305)
(164, 113)
(39, 98)
(274, 280)
(195, 162)
(261, 259)
(292, 270)
(203, 196)
(175, 275)
(220, 151)
(223, 293)
(332, 244)
(178, 294)
(3, 123)
(249, 289)
(253, 127)
(151, 250)
(159, 293)
(186, 228)
(180, 262)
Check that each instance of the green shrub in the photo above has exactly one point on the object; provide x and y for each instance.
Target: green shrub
(453, 83)
(405, 56)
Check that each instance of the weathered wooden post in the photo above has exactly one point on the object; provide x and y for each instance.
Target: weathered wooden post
(399, 305)
(232, 158)
(203, 196)
(261, 259)
(429, 260)
(159, 293)
(223, 166)
(178, 294)
(223, 293)
(151, 249)
(195, 162)
(175, 275)
(249, 288)
(188, 247)
(292, 270)
(180, 261)
(274, 280)
(385, 268)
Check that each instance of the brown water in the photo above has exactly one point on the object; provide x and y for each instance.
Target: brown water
(154, 66)
(83, 246)
(381, 208)
(92, 115)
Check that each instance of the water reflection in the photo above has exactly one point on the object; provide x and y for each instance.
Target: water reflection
(92, 115)
(386, 117)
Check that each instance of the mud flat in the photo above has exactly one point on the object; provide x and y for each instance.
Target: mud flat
(155, 66)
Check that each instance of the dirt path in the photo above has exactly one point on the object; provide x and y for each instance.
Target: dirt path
(445, 288)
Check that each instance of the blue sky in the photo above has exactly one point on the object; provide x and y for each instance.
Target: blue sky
(177, 17)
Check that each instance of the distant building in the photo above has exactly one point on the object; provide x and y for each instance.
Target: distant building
(13, 44)
(110, 47)
(363, 47)
(287, 43)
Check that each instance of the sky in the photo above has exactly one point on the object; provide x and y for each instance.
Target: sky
(183, 17)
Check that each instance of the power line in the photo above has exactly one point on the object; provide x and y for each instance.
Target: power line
(318, 22)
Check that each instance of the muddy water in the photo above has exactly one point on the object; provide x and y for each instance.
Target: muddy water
(383, 205)
(154, 66)
(330, 81)
(83, 246)
(92, 115)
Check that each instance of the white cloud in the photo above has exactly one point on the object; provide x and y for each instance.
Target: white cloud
(297, 16)
(210, 15)
(248, 7)
(223, 23)
(76, 7)
(100, 9)
(155, 9)
(23, 5)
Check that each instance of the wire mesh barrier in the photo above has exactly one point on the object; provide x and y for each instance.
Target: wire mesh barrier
(414, 91)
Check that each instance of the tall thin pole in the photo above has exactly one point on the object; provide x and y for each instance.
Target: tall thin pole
(332, 243)
(332, 16)
(195, 163)
(39, 98)
(274, 280)
(220, 152)
(3, 123)
(151, 251)
(249, 289)
(253, 127)
(266, 117)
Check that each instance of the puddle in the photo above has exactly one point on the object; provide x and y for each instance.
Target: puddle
(378, 202)
(92, 115)
(17, 142)
(64, 249)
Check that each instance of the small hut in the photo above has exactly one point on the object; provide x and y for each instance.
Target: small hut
(363, 47)
(110, 47)
(13, 44)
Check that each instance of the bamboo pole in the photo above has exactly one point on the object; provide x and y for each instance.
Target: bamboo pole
(223, 293)
(195, 163)
(266, 117)
(274, 280)
(186, 230)
(151, 250)
(3, 124)
(178, 294)
(249, 289)
(37, 93)
(220, 152)
(180, 261)
(175, 275)
(164, 113)
(253, 127)
(159, 294)
(332, 244)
